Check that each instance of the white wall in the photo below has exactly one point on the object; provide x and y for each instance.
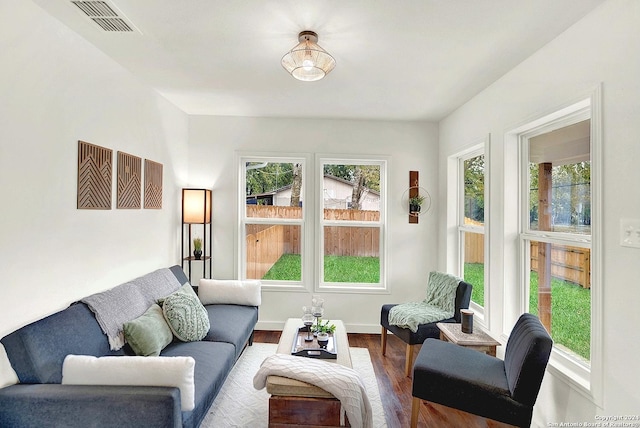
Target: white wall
(602, 48)
(412, 247)
(56, 89)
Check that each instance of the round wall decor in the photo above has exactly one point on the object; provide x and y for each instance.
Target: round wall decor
(411, 208)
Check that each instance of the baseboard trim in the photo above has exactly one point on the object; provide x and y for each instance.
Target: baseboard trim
(351, 327)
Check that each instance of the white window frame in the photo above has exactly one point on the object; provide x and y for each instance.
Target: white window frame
(467, 228)
(305, 222)
(455, 219)
(586, 379)
(369, 288)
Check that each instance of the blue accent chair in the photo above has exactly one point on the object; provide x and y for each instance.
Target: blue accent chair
(463, 296)
(477, 383)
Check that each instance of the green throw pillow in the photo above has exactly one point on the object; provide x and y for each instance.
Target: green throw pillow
(149, 333)
(187, 318)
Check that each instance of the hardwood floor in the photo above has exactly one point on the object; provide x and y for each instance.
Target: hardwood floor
(395, 387)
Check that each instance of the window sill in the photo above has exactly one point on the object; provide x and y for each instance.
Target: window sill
(354, 289)
(273, 286)
(571, 372)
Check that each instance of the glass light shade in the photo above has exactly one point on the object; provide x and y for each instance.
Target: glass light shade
(307, 61)
(196, 206)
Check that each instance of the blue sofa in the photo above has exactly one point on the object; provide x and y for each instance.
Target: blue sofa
(37, 352)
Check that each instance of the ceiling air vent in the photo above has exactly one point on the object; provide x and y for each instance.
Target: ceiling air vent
(104, 15)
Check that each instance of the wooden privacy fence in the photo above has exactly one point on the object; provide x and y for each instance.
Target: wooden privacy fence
(266, 243)
(568, 263)
(353, 215)
(270, 211)
(351, 241)
(571, 264)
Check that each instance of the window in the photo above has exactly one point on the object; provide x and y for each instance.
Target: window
(466, 220)
(471, 224)
(556, 264)
(282, 230)
(273, 220)
(557, 236)
(351, 223)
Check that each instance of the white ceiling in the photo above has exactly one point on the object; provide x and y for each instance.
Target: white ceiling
(396, 59)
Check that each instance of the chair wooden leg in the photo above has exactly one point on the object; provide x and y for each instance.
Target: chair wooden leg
(415, 411)
(408, 363)
(383, 341)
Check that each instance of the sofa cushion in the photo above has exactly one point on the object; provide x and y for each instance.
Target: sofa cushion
(149, 333)
(231, 324)
(230, 292)
(8, 375)
(83, 406)
(214, 361)
(185, 315)
(36, 351)
(136, 371)
(128, 301)
(178, 272)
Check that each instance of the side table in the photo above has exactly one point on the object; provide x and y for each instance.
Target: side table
(479, 340)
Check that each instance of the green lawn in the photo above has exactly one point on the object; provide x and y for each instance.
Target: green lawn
(474, 275)
(336, 269)
(287, 268)
(570, 308)
(351, 269)
(570, 314)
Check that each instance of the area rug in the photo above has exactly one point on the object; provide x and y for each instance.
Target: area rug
(239, 404)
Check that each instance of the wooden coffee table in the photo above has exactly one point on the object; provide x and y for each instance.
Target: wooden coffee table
(296, 403)
(479, 340)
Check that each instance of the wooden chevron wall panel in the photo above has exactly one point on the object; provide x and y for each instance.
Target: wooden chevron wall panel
(129, 181)
(152, 184)
(94, 176)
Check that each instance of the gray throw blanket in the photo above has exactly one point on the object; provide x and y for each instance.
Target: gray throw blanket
(439, 304)
(128, 301)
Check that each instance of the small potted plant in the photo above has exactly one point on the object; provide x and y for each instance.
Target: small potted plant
(415, 204)
(324, 327)
(197, 248)
(322, 331)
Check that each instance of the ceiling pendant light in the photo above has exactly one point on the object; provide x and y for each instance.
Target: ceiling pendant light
(307, 61)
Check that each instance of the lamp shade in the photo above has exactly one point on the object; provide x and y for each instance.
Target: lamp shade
(307, 61)
(196, 206)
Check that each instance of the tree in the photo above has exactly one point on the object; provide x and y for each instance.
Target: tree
(571, 199)
(347, 172)
(341, 171)
(263, 177)
(362, 177)
(296, 186)
(474, 188)
(358, 188)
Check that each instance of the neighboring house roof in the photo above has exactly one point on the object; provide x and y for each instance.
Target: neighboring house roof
(326, 176)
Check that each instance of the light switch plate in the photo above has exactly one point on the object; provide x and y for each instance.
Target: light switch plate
(630, 232)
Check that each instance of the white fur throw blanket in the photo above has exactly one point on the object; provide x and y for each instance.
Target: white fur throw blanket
(343, 382)
(121, 304)
(439, 304)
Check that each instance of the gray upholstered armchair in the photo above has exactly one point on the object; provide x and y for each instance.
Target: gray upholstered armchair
(462, 298)
(487, 386)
